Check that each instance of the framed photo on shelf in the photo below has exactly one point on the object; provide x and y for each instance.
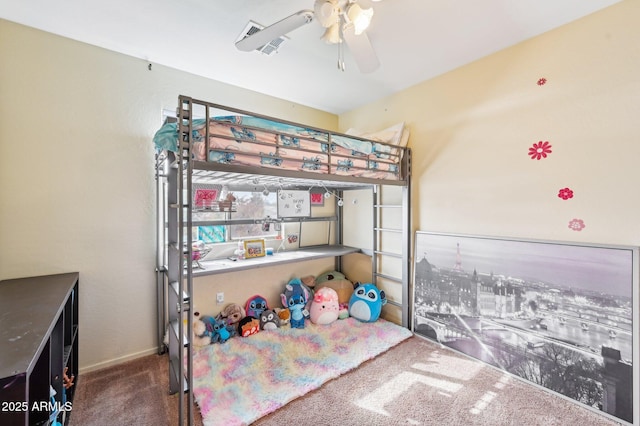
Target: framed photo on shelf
(563, 316)
(205, 195)
(254, 248)
(317, 199)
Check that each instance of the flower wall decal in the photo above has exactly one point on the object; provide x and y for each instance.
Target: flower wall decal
(542, 81)
(565, 193)
(577, 225)
(540, 150)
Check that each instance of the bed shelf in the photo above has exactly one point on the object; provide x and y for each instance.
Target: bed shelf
(221, 266)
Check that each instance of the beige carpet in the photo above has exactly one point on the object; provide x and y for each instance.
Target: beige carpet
(414, 383)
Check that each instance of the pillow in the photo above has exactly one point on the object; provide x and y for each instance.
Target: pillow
(395, 135)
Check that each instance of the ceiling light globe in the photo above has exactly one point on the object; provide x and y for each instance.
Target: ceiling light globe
(332, 34)
(326, 12)
(360, 17)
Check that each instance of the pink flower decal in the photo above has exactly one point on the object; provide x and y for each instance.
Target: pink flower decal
(565, 193)
(542, 81)
(577, 225)
(540, 150)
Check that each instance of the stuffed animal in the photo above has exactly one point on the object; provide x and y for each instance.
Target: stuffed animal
(255, 306)
(248, 325)
(308, 282)
(269, 320)
(232, 313)
(218, 330)
(366, 302)
(324, 307)
(200, 335)
(295, 298)
(284, 315)
(341, 285)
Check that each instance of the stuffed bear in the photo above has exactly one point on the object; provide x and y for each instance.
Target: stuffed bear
(269, 320)
(366, 302)
(295, 298)
(232, 313)
(324, 306)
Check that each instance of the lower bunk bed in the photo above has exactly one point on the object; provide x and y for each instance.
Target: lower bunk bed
(245, 378)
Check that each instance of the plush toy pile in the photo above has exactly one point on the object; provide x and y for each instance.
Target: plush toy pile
(321, 300)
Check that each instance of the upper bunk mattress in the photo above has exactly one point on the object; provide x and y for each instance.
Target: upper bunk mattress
(257, 142)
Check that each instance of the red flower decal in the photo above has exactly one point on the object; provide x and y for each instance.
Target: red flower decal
(542, 81)
(540, 150)
(565, 193)
(577, 225)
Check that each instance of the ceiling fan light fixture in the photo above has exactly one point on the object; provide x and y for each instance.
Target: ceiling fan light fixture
(361, 18)
(326, 12)
(332, 34)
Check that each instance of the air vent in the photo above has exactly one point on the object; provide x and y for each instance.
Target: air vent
(269, 48)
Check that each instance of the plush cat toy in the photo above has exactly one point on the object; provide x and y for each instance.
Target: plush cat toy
(295, 298)
(366, 302)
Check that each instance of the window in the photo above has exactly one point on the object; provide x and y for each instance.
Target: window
(254, 205)
(250, 205)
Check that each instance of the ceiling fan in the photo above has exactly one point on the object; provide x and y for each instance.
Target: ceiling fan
(344, 20)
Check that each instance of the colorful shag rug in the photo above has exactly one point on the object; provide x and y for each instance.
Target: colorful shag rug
(237, 382)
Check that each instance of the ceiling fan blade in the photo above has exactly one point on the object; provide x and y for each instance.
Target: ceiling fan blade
(361, 49)
(274, 31)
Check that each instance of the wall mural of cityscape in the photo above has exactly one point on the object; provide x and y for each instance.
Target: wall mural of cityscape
(559, 315)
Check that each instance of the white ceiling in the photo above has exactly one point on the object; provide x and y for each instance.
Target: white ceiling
(415, 39)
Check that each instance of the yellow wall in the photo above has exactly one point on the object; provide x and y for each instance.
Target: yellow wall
(471, 130)
(77, 188)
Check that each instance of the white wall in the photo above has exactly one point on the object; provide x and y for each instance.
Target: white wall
(77, 188)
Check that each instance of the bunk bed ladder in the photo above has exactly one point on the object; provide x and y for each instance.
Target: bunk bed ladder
(179, 278)
(383, 275)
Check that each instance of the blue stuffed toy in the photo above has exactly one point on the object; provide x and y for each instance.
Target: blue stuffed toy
(256, 305)
(366, 302)
(218, 329)
(295, 298)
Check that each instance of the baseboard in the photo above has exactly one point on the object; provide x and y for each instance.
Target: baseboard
(116, 361)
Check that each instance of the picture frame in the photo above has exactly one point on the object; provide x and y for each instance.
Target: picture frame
(317, 199)
(205, 196)
(561, 315)
(254, 248)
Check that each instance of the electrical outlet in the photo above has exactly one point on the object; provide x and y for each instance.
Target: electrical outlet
(220, 297)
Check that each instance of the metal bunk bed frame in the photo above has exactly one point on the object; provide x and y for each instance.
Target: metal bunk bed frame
(175, 174)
